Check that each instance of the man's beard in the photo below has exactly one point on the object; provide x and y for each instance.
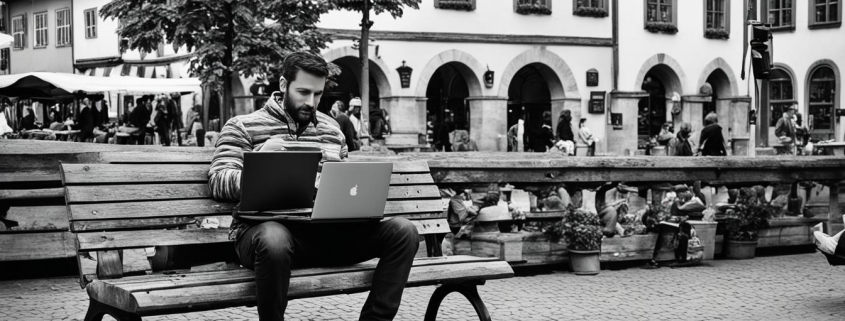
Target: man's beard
(296, 112)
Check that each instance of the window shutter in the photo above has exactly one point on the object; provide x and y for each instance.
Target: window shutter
(23, 24)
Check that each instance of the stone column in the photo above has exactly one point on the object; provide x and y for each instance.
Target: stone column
(407, 114)
(618, 140)
(488, 119)
(734, 111)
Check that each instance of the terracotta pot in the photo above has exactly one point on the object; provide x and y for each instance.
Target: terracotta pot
(740, 250)
(584, 262)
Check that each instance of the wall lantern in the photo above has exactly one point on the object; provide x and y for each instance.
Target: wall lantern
(592, 78)
(488, 78)
(405, 75)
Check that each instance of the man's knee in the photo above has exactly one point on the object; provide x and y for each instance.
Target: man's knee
(272, 239)
(402, 229)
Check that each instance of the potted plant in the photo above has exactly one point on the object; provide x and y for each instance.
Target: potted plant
(660, 26)
(751, 214)
(590, 12)
(533, 8)
(456, 5)
(712, 33)
(582, 232)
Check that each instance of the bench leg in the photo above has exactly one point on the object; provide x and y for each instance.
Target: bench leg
(469, 290)
(97, 310)
(432, 244)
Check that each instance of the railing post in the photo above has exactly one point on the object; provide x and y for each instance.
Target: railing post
(834, 217)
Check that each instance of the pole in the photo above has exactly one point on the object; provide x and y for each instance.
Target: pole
(365, 64)
(228, 101)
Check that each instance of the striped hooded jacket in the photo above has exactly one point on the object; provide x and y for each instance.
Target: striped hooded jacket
(250, 133)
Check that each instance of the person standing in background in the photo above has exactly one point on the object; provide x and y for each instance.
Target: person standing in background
(680, 145)
(711, 142)
(162, 121)
(587, 137)
(175, 113)
(785, 131)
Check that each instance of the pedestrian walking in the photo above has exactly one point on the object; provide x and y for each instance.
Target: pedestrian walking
(680, 145)
(86, 120)
(785, 131)
(347, 127)
(587, 137)
(175, 112)
(564, 131)
(711, 141)
(163, 121)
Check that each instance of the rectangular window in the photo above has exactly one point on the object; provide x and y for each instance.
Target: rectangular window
(91, 23)
(825, 14)
(780, 13)
(590, 8)
(660, 11)
(715, 14)
(40, 29)
(19, 31)
(62, 27)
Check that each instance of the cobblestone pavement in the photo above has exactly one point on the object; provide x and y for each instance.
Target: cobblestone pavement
(789, 287)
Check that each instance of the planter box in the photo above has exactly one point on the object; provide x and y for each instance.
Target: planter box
(641, 247)
(785, 231)
(522, 247)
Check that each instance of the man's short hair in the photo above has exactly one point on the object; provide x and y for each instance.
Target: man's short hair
(305, 61)
(711, 118)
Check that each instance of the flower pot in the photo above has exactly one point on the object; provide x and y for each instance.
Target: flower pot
(584, 262)
(740, 250)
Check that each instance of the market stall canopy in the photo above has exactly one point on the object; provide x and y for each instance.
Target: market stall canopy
(62, 85)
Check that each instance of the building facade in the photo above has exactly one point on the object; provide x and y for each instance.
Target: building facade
(626, 74)
(42, 36)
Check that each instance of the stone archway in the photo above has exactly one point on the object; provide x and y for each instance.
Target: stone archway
(728, 89)
(665, 67)
(378, 68)
(562, 87)
(558, 76)
(466, 64)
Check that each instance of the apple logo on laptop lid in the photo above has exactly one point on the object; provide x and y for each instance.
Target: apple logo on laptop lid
(353, 191)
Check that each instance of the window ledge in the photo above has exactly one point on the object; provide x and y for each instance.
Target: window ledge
(39, 47)
(663, 27)
(717, 34)
(590, 12)
(456, 5)
(784, 28)
(533, 9)
(18, 48)
(826, 25)
(62, 46)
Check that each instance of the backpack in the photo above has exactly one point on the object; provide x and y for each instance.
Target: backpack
(684, 149)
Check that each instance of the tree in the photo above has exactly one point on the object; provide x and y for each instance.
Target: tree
(226, 36)
(395, 8)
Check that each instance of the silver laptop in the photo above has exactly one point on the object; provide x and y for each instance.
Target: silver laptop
(348, 190)
(352, 191)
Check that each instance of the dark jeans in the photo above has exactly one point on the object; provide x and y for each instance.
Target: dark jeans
(164, 134)
(272, 249)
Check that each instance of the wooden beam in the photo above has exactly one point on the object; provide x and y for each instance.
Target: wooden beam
(36, 246)
(835, 223)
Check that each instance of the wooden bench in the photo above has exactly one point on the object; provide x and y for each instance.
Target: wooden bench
(115, 207)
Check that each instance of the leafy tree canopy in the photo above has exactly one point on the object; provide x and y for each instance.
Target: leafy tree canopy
(265, 31)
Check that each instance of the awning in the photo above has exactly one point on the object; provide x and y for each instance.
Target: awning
(61, 85)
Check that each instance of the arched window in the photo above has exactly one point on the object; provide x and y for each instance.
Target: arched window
(822, 95)
(780, 94)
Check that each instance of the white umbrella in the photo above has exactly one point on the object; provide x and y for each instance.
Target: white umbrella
(6, 41)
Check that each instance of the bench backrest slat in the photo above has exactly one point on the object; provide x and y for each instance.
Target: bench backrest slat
(119, 206)
(160, 192)
(147, 238)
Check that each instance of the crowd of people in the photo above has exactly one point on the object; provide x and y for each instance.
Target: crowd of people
(159, 114)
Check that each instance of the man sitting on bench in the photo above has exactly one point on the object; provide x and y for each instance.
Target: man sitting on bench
(290, 121)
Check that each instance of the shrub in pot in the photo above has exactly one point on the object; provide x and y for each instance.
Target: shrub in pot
(742, 224)
(582, 231)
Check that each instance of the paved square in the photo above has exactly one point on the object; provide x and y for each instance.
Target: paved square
(788, 287)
